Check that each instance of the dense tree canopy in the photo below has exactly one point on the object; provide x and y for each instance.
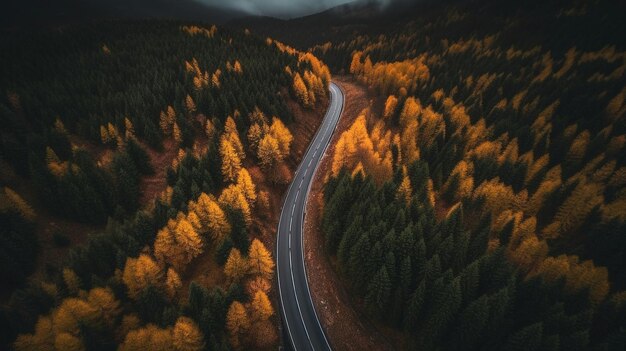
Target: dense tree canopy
(89, 112)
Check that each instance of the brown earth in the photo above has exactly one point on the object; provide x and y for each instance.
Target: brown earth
(345, 327)
(151, 186)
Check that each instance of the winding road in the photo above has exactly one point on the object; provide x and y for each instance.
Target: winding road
(298, 313)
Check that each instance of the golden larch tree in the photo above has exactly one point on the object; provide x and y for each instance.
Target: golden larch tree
(230, 126)
(300, 90)
(234, 197)
(408, 143)
(261, 308)
(236, 266)
(186, 335)
(150, 338)
(245, 183)
(103, 300)
(212, 217)
(190, 104)
(68, 342)
(231, 163)
(237, 323)
(141, 272)
(188, 238)
(390, 106)
(260, 259)
(177, 134)
(166, 249)
(255, 133)
(104, 135)
(172, 283)
(19, 204)
(129, 129)
(405, 190)
(282, 135)
(41, 340)
(269, 153)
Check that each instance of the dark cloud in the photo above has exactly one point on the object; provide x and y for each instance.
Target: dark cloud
(19, 13)
(278, 8)
(292, 8)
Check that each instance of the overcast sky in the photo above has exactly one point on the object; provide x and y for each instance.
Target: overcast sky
(283, 8)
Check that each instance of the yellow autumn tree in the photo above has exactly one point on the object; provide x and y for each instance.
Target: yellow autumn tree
(245, 183)
(355, 145)
(498, 196)
(172, 283)
(61, 330)
(68, 342)
(236, 266)
(255, 134)
(575, 209)
(231, 163)
(260, 259)
(166, 120)
(19, 204)
(147, 338)
(129, 129)
(186, 336)
(103, 300)
(141, 272)
(578, 276)
(269, 153)
(177, 134)
(42, 338)
(234, 197)
(408, 142)
(529, 253)
(178, 245)
(390, 106)
(405, 190)
(212, 218)
(410, 111)
(300, 90)
(190, 104)
(261, 308)
(237, 323)
(187, 237)
(282, 135)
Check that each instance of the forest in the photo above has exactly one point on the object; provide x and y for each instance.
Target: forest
(479, 202)
(86, 112)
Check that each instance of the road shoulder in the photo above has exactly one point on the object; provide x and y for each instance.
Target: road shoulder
(343, 326)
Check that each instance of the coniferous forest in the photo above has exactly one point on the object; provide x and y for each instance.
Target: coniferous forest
(85, 108)
(488, 177)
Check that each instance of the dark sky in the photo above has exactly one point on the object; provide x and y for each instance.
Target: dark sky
(288, 8)
(278, 8)
(19, 13)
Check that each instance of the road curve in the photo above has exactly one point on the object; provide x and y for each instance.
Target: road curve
(302, 325)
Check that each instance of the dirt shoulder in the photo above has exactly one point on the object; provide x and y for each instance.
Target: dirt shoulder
(345, 329)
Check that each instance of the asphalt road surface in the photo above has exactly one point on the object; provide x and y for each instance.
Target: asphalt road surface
(302, 325)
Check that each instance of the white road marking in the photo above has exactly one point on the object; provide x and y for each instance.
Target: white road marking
(322, 140)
